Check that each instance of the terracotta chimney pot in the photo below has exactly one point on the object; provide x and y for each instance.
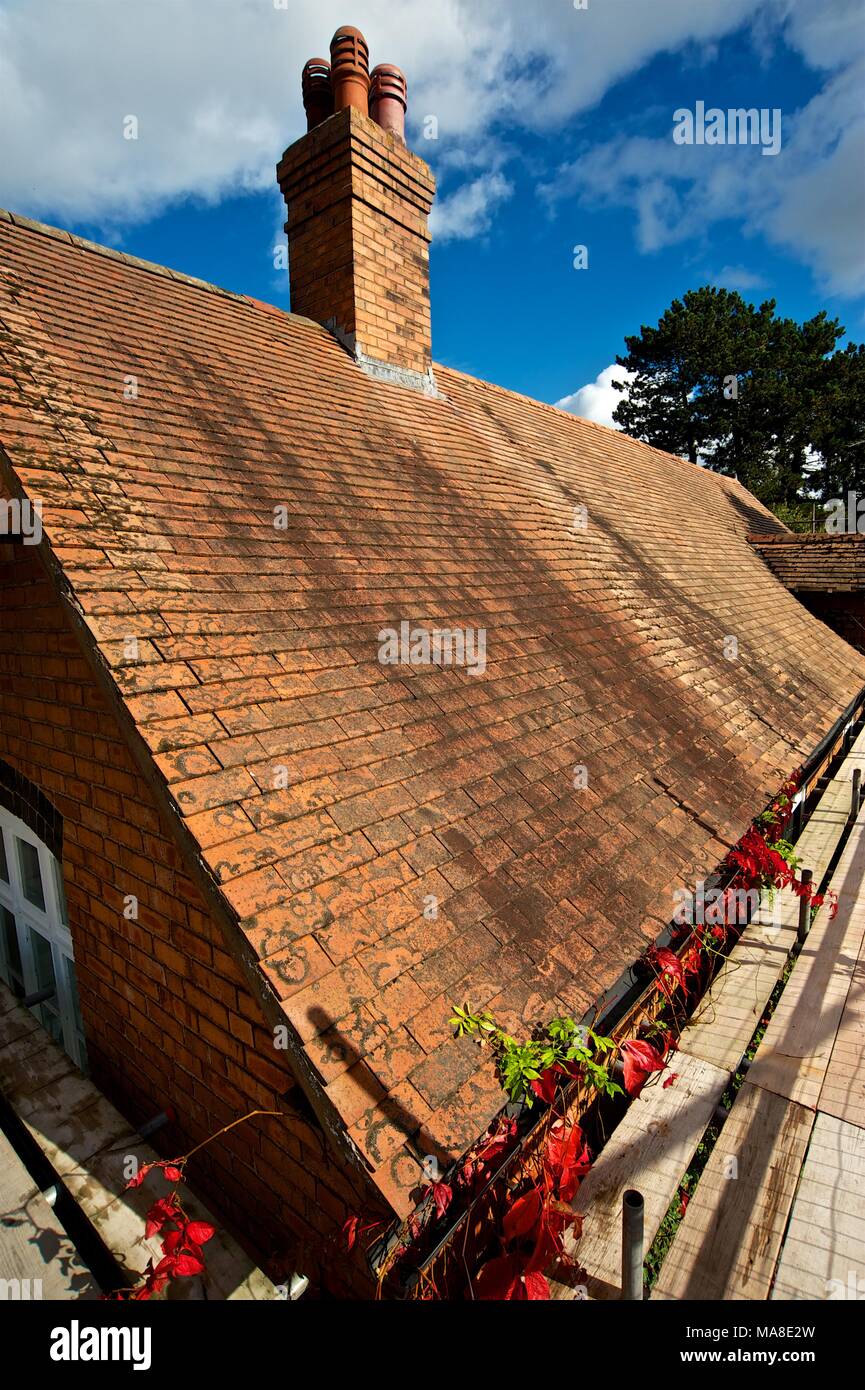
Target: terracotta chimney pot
(388, 98)
(317, 92)
(349, 56)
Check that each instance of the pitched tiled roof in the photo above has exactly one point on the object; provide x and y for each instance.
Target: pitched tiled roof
(408, 788)
(820, 563)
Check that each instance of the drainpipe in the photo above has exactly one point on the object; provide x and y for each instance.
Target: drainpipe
(806, 875)
(633, 1214)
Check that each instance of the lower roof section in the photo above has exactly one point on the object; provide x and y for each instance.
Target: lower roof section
(815, 563)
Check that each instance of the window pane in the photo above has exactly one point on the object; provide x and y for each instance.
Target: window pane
(72, 993)
(51, 1022)
(80, 1044)
(48, 1012)
(31, 879)
(61, 893)
(4, 867)
(42, 961)
(10, 954)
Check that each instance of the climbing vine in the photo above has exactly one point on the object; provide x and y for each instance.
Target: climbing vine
(563, 1051)
(764, 859)
(181, 1238)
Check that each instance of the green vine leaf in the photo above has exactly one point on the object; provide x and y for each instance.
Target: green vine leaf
(563, 1047)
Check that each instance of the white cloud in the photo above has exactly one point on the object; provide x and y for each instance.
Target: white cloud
(738, 277)
(819, 211)
(826, 34)
(810, 198)
(215, 85)
(597, 400)
(469, 211)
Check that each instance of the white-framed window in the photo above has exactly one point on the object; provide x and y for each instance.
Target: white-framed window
(36, 957)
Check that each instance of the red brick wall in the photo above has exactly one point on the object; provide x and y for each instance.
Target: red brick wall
(168, 1016)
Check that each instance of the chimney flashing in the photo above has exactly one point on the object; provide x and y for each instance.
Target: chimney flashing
(422, 382)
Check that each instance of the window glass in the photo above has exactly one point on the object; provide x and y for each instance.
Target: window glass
(72, 991)
(52, 1023)
(35, 947)
(75, 1009)
(61, 892)
(43, 963)
(31, 878)
(10, 953)
(48, 1011)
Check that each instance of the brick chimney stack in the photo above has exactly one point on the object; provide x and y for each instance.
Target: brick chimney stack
(358, 205)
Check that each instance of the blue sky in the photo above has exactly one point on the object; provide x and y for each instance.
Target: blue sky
(555, 129)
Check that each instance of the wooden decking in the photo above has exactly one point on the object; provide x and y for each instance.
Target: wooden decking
(728, 1243)
(37, 1258)
(89, 1146)
(843, 1092)
(650, 1150)
(787, 1221)
(824, 1252)
(795, 1052)
(780, 1206)
(727, 1018)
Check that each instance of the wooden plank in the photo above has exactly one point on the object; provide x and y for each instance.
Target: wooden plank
(29, 1062)
(650, 1151)
(824, 1252)
(794, 1055)
(56, 1099)
(34, 1246)
(843, 1092)
(16, 1024)
(819, 840)
(727, 1018)
(728, 1242)
(88, 1143)
(72, 1125)
(8, 1001)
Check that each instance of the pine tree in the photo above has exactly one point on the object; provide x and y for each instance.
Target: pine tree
(749, 394)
